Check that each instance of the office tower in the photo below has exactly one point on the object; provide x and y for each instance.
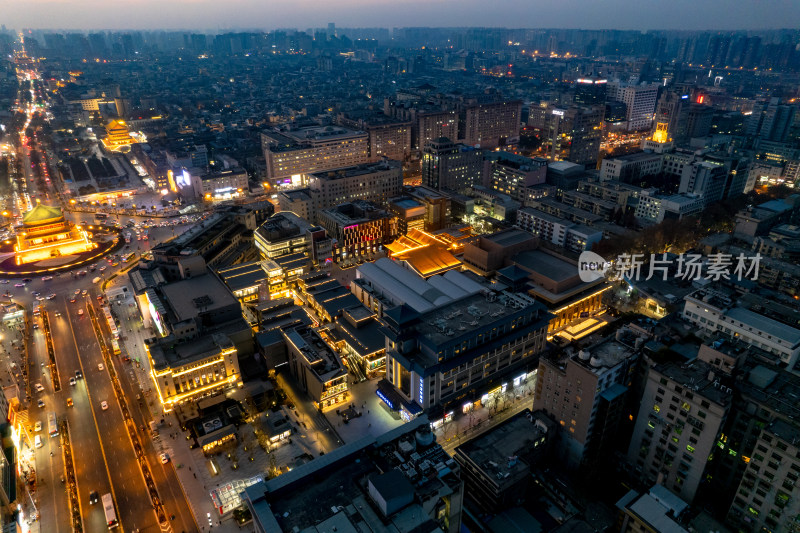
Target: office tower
(640, 102)
(699, 120)
(682, 412)
(585, 393)
(512, 174)
(450, 166)
(573, 134)
(291, 153)
(331, 30)
(590, 90)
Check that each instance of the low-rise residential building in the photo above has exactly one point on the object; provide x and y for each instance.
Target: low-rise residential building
(559, 231)
(714, 312)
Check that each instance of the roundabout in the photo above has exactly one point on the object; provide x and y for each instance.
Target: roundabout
(107, 239)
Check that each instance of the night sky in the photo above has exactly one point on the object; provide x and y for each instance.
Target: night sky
(302, 14)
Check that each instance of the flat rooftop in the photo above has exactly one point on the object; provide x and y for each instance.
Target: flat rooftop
(545, 264)
(515, 437)
(357, 170)
(509, 237)
(242, 276)
(603, 356)
(188, 298)
(695, 374)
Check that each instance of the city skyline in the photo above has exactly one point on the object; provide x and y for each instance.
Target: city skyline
(252, 14)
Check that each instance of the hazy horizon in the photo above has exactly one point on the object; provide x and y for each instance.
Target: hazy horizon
(266, 15)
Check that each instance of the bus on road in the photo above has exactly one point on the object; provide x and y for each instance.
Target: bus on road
(52, 425)
(111, 514)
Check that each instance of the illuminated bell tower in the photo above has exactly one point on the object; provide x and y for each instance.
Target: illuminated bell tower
(661, 135)
(660, 141)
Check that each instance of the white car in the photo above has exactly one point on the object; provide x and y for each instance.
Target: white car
(39, 387)
(100, 367)
(37, 427)
(51, 296)
(164, 458)
(19, 284)
(103, 405)
(4, 281)
(47, 278)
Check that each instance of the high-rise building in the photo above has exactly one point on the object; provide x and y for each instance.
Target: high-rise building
(450, 166)
(699, 120)
(771, 121)
(574, 134)
(768, 498)
(590, 90)
(682, 413)
(488, 125)
(673, 110)
(585, 394)
(373, 182)
(290, 154)
(640, 102)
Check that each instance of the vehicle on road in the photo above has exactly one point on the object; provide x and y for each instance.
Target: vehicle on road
(102, 268)
(78, 374)
(19, 284)
(73, 381)
(4, 281)
(93, 497)
(38, 441)
(57, 313)
(40, 403)
(37, 427)
(39, 387)
(84, 292)
(164, 458)
(100, 367)
(80, 312)
(72, 300)
(104, 405)
(108, 509)
(26, 280)
(69, 402)
(51, 296)
(77, 292)
(47, 278)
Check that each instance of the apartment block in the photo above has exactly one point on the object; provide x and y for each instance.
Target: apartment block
(585, 393)
(682, 413)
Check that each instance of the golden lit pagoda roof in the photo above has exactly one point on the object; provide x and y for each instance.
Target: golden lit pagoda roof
(42, 214)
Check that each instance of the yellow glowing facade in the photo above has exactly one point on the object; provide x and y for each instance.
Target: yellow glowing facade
(117, 135)
(46, 234)
(200, 378)
(660, 135)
